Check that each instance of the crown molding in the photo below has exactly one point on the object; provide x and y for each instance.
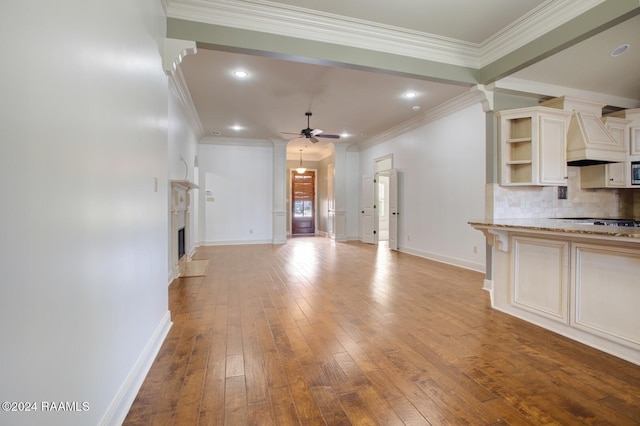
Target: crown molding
(179, 85)
(477, 94)
(539, 90)
(174, 51)
(286, 20)
(549, 15)
(292, 21)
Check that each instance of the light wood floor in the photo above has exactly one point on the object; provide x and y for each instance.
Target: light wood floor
(316, 332)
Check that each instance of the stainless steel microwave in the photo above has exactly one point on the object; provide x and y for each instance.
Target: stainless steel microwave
(635, 173)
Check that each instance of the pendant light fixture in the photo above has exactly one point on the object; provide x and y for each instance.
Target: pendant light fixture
(301, 169)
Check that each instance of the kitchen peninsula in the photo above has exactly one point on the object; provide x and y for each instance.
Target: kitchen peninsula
(570, 276)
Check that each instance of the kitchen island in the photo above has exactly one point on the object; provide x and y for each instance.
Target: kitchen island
(569, 276)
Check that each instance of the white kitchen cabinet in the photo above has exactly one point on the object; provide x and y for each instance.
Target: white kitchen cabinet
(612, 175)
(606, 291)
(633, 134)
(540, 280)
(533, 146)
(576, 280)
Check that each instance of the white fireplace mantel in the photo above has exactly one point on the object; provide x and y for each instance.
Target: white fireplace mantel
(180, 194)
(180, 218)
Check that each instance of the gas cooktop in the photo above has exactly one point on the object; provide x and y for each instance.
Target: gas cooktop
(603, 222)
(617, 222)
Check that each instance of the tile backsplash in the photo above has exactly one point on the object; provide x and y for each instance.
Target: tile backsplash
(503, 202)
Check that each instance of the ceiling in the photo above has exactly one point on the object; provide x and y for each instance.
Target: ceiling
(360, 102)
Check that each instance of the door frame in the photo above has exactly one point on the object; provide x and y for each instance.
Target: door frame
(290, 200)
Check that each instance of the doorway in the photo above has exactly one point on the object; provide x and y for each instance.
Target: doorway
(383, 206)
(303, 196)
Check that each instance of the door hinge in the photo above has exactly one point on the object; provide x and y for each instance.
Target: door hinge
(374, 206)
(374, 232)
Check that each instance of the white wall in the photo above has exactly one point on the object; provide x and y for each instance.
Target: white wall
(441, 187)
(84, 244)
(240, 180)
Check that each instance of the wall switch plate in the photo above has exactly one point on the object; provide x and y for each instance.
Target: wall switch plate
(562, 193)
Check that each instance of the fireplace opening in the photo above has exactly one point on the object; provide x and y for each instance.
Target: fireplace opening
(181, 247)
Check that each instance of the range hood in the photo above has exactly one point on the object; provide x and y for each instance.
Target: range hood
(588, 140)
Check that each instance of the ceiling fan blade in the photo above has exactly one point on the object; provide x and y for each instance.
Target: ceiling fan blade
(289, 133)
(329, 136)
(316, 132)
(314, 140)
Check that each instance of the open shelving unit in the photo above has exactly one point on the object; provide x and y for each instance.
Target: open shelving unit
(522, 153)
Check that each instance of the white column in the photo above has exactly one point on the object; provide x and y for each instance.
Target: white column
(279, 212)
(340, 192)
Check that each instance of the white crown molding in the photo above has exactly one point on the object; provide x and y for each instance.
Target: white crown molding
(536, 23)
(285, 20)
(477, 94)
(276, 18)
(179, 85)
(520, 86)
(174, 51)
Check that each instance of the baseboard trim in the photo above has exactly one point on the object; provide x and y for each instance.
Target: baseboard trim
(478, 267)
(235, 242)
(488, 286)
(121, 403)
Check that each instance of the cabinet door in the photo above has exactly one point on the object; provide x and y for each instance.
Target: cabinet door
(615, 175)
(606, 292)
(540, 280)
(635, 140)
(553, 151)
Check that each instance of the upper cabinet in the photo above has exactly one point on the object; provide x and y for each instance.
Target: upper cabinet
(533, 146)
(633, 115)
(611, 175)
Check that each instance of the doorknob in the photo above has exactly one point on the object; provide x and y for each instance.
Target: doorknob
(362, 211)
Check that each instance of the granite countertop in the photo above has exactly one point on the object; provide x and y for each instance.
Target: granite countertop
(575, 226)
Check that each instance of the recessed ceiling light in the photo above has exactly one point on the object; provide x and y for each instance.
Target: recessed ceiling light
(410, 95)
(416, 107)
(215, 133)
(241, 74)
(237, 128)
(344, 135)
(619, 50)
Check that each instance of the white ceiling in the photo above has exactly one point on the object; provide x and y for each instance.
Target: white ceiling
(589, 66)
(363, 104)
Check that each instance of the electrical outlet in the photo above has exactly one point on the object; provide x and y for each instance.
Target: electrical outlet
(562, 193)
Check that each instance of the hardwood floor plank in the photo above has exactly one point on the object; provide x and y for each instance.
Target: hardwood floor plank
(330, 406)
(284, 408)
(235, 402)
(316, 332)
(260, 414)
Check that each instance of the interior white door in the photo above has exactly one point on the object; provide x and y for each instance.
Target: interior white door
(367, 228)
(393, 209)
